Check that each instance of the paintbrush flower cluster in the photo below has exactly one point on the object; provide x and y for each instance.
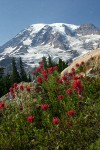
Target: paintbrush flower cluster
(57, 113)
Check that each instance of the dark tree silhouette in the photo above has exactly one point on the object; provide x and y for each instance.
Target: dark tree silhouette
(23, 75)
(15, 77)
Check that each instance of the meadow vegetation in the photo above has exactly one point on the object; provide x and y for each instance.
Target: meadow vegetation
(57, 113)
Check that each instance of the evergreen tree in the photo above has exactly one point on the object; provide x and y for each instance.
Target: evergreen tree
(7, 83)
(44, 62)
(29, 78)
(50, 62)
(61, 65)
(1, 82)
(66, 65)
(22, 71)
(1, 72)
(15, 77)
(1, 87)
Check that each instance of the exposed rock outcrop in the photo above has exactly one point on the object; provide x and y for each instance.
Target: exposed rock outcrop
(89, 59)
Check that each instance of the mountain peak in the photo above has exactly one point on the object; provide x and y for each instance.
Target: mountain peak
(88, 26)
(88, 29)
(59, 40)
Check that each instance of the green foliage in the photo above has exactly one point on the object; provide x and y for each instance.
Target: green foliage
(6, 83)
(23, 75)
(1, 87)
(1, 72)
(45, 62)
(29, 121)
(49, 63)
(15, 77)
(95, 146)
(61, 65)
(7, 80)
(29, 78)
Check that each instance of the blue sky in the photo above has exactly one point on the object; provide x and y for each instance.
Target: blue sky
(15, 15)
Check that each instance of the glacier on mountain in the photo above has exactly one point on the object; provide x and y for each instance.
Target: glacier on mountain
(59, 40)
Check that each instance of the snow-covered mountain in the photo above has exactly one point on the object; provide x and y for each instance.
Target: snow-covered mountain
(59, 40)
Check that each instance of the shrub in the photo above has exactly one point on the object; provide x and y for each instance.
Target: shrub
(58, 114)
